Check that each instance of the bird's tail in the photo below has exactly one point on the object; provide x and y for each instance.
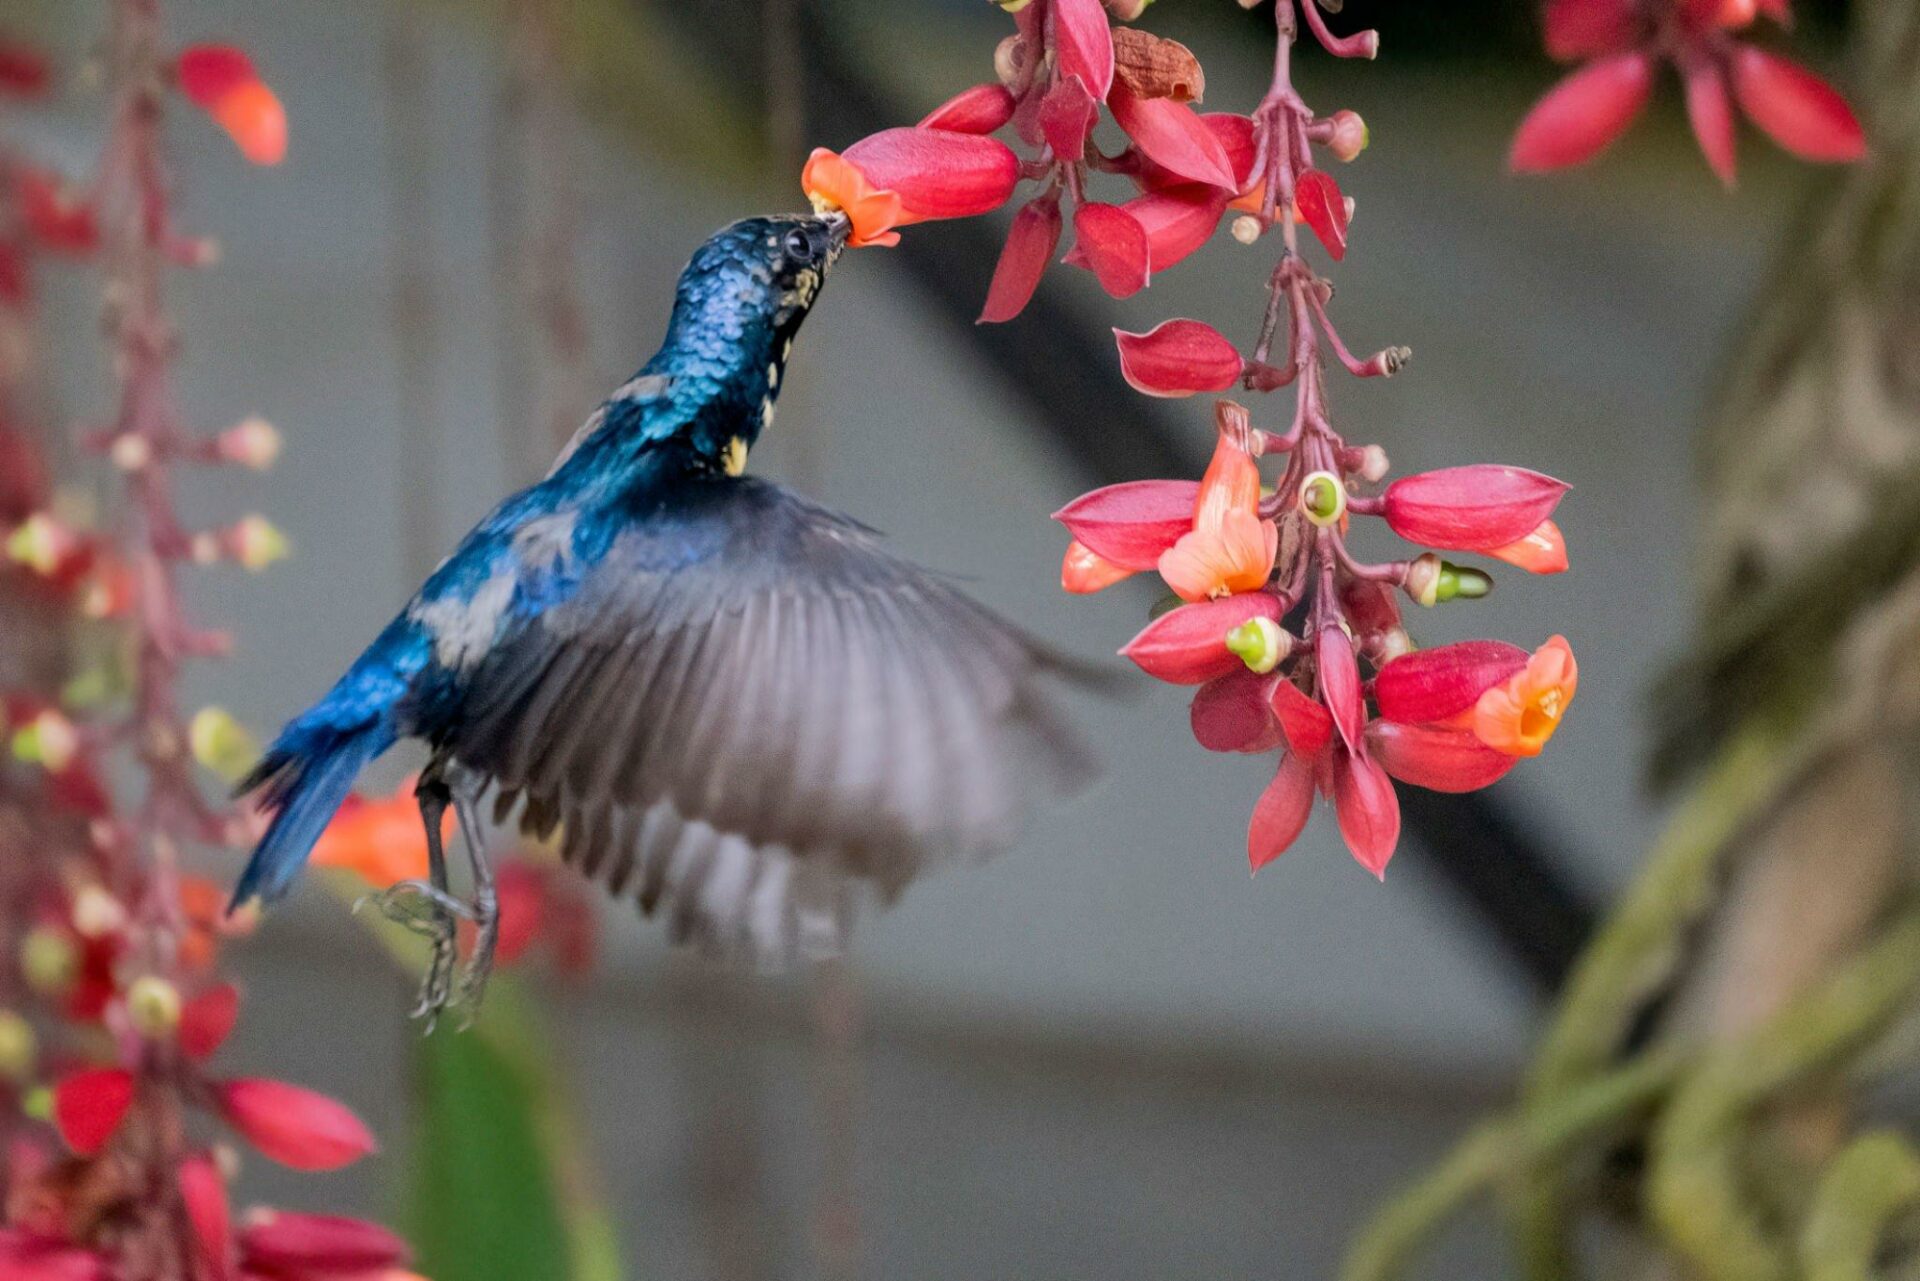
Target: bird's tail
(302, 784)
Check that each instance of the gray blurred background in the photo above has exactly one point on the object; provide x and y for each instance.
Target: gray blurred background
(1110, 1053)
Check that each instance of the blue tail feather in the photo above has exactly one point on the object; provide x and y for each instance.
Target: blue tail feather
(304, 785)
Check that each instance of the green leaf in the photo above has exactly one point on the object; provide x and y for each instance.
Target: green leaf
(499, 1188)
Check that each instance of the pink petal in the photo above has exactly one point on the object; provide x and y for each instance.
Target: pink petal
(1173, 136)
(1281, 813)
(1369, 810)
(1340, 684)
(981, 109)
(1083, 43)
(1132, 524)
(1470, 508)
(1178, 358)
(1110, 244)
(1578, 29)
(24, 1257)
(1435, 684)
(1034, 236)
(1237, 138)
(207, 1020)
(1067, 115)
(1188, 645)
(1305, 721)
(1796, 108)
(296, 1127)
(938, 173)
(209, 72)
(283, 1242)
(204, 1193)
(1322, 207)
(1582, 114)
(1230, 714)
(1710, 111)
(1177, 220)
(89, 1106)
(1440, 760)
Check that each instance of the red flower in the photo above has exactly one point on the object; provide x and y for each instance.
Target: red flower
(284, 1244)
(981, 109)
(938, 173)
(1132, 524)
(88, 1107)
(1178, 358)
(1519, 716)
(1034, 236)
(1188, 645)
(1583, 114)
(1437, 684)
(207, 1019)
(1110, 244)
(1470, 508)
(294, 1126)
(1594, 106)
(1796, 108)
(221, 80)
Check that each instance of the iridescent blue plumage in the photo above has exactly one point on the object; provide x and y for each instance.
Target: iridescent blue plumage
(737, 703)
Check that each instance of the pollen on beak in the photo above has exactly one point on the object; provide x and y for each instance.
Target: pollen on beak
(839, 228)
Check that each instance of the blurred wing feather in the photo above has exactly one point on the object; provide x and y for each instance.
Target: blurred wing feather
(749, 704)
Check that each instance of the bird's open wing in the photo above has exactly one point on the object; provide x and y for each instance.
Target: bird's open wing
(750, 704)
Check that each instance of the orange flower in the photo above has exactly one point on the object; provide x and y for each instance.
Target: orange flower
(1085, 571)
(1229, 549)
(382, 841)
(1520, 716)
(834, 183)
(1544, 551)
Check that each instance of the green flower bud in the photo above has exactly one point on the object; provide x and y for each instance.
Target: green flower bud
(1323, 498)
(1260, 643)
(1458, 582)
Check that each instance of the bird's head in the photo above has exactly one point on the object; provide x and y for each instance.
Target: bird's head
(755, 280)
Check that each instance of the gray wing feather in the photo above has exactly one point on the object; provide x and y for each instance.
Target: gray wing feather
(737, 738)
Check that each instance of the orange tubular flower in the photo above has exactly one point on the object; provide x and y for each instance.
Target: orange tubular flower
(381, 840)
(1519, 716)
(832, 182)
(1230, 549)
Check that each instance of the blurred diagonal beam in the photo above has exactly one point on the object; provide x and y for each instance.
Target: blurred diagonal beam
(1058, 361)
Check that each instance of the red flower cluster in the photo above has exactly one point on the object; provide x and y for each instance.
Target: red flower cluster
(1297, 646)
(1063, 68)
(1622, 41)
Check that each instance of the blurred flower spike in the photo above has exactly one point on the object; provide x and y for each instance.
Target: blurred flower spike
(1623, 41)
(222, 81)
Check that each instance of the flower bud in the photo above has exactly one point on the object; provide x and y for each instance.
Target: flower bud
(1323, 499)
(18, 1047)
(298, 1128)
(1460, 582)
(1349, 136)
(48, 740)
(1261, 643)
(41, 544)
(48, 960)
(153, 1007)
(256, 544)
(1374, 464)
(96, 913)
(254, 443)
(1423, 579)
(130, 451)
(1246, 229)
(1470, 508)
(221, 743)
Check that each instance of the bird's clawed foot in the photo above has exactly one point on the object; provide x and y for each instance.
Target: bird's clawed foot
(436, 915)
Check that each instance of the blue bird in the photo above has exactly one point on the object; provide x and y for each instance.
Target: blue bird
(737, 706)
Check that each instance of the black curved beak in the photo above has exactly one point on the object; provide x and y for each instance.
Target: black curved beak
(839, 228)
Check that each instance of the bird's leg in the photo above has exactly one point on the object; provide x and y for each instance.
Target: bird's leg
(429, 907)
(485, 907)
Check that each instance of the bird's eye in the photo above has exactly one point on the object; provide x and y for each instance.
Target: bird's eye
(801, 247)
